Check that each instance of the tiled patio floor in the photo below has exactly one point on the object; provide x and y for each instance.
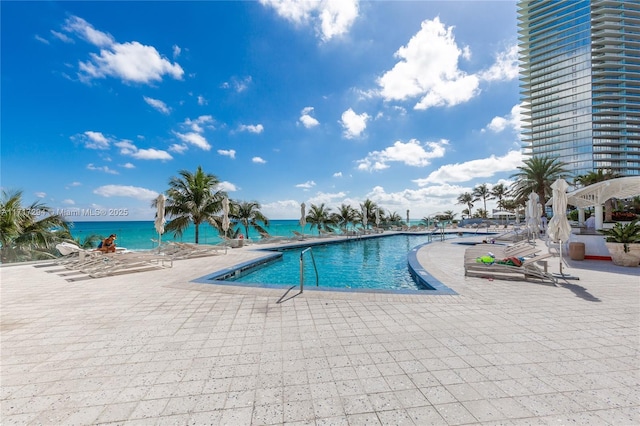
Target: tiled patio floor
(155, 348)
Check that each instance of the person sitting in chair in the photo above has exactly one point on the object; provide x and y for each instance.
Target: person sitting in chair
(108, 245)
(590, 223)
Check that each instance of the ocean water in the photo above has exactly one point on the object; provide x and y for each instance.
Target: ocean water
(141, 235)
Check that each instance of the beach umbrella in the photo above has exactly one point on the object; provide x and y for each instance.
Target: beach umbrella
(377, 218)
(160, 220)
(559, 229)
(225, 215)
(407, 217)
(303, 215)
(225, 219)
(532, 215)
(364, 217)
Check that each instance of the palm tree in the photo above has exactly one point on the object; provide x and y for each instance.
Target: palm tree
(481, 192)
(28, 233)
(371, 207)
(498, 192)
(193, 198)
(345, 216)
(320, 217)
(537, 175)
(468, 199)
(448, 215)
(510, 205)
(394, 219)
(249, 215)
(599, 175)
(88, 242)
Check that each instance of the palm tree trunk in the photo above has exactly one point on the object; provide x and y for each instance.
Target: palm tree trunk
(608, 210)
(542, 199)
(197, 225)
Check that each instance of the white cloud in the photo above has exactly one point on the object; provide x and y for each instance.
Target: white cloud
(151, 154)
(104, 169)
(41, 39)
(505, 68)
(337, 17)
(201, 100)
(227, 186)
(353, 124)
(40, 194)
(128, 166)
(178, 148)
(306, 119)
(412, 153)
(420, 202)
(258, 160)
(62, 37)
(330, 18)
(239, 85)
(128, 148)
(125, 191)
(330, 199)
(130, 61)
(176, 51)
(284, 209)
(231, 153)
(68, 202)
(194, 139)
(510, 121)
(337, 174)
(258, 128)
(428, 69)
(481, 168)
(86, 31)
(93, 140)
(307, 185)
(158, 105)
(199, 123)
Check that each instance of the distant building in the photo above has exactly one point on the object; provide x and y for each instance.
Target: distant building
(580, 82)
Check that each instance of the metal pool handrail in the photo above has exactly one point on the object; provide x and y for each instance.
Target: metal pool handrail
(308, 249)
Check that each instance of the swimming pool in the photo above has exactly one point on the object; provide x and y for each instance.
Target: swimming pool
(368, 264)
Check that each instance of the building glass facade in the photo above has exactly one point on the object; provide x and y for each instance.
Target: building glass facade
(580, 82)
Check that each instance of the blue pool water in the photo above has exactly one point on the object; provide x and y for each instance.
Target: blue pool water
(372, 263)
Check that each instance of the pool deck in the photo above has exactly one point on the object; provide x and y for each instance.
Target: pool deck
(158, 348)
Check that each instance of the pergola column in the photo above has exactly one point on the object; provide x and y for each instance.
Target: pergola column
(598, 213)
(580, 216)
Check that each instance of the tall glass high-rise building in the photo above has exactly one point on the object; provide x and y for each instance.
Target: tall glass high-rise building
(580, 82)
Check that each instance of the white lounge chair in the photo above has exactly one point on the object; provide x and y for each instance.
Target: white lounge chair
(500, 251)
(527, 270)
(129, 262)
(188, 251)
(66, 248)
(299, 236)
(266, 238)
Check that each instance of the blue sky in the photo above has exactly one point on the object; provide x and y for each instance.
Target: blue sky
(409, 104)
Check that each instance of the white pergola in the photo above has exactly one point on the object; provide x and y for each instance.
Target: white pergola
(595, 195)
